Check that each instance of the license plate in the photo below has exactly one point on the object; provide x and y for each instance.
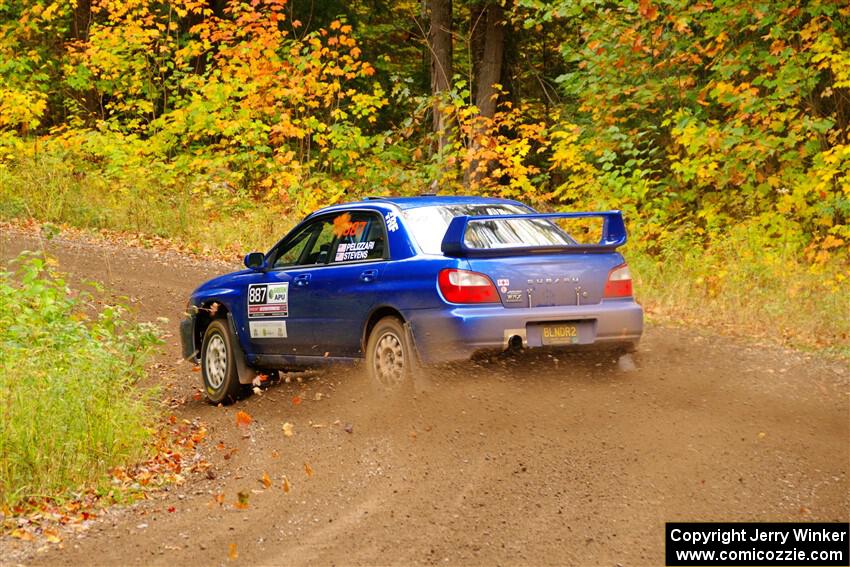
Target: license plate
(559, 334)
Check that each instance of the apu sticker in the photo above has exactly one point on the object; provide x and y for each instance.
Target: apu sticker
(268, 300)
(392, 221)
(268, 329)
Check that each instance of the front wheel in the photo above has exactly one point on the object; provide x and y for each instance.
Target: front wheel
(218, 364)
(390, 358)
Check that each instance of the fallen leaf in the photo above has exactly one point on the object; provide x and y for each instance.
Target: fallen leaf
(267, 482)
(232, 553)
(219, 498)
(172, 509)
(296, 400)
(762, 435)
(288, 429)
(52, 536)
(243, 419)
(22, 534)
(308, 469)
(286, 485)
(243, 498)
(275, 454)
(196, 368)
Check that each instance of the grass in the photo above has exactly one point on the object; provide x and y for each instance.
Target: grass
(69, 408)
(742, 284)
(740, 287)
(48, 188)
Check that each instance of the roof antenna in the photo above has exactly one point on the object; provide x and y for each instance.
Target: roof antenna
(432, 190)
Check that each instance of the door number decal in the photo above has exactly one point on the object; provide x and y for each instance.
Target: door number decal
(268, 300)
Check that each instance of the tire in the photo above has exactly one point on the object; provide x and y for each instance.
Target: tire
(390, 356)
(218, 366)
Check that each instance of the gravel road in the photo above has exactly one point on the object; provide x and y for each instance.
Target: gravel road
(535, 461)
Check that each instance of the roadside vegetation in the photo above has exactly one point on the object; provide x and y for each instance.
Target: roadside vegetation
(70, 411)
(720, 129)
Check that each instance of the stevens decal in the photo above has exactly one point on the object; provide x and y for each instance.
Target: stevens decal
(353, 251)
(268, 300)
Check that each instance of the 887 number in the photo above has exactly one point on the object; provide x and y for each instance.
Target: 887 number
(257, 294)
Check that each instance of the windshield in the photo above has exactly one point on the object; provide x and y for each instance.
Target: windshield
(429, 224)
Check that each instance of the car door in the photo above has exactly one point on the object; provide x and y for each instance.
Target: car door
(346, 290)
(280, 305)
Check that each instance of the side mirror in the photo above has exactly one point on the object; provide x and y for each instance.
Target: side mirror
(255, 261)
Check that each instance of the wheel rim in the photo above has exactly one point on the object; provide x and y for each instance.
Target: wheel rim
(389, 360)
(216, 361)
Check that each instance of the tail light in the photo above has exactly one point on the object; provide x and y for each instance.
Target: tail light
(463, 286)
(619, 282)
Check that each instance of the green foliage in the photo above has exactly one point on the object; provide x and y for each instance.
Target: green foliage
(70, 410)
(720, 124)
(714, 114)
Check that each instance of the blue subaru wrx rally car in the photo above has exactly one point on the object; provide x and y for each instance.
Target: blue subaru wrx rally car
(409, 281)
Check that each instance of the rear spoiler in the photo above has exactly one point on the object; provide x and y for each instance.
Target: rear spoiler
(613, 235)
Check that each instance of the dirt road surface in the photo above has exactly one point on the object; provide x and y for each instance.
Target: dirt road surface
(566, 461)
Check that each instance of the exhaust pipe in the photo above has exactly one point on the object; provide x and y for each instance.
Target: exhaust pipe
(515, 343)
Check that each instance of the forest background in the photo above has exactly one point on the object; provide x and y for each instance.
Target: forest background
(720, 128)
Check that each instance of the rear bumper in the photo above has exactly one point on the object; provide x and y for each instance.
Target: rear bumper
(187, 338)
(456, 333)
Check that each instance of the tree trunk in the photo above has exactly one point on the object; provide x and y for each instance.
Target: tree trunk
(82, 20)
(490, 67)
(440, 42)
(488, 72)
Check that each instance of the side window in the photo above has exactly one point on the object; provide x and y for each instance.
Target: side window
(359, 236)
(320, 250)
(346, 237)
(294, 250)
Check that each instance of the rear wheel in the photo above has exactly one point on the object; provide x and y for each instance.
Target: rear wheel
(218, 365)
(390, 358)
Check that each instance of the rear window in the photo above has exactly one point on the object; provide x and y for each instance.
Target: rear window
(429, 225)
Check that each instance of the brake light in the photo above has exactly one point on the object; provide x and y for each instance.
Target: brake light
(619, 282)
(463, 286)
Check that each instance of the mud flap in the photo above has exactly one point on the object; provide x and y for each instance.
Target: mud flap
(421, 381)
(410, 340)
(246, 373)
(187, 339)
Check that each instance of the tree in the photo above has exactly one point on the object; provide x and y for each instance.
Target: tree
(489, 68)
(440, 44)
(488, 51)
